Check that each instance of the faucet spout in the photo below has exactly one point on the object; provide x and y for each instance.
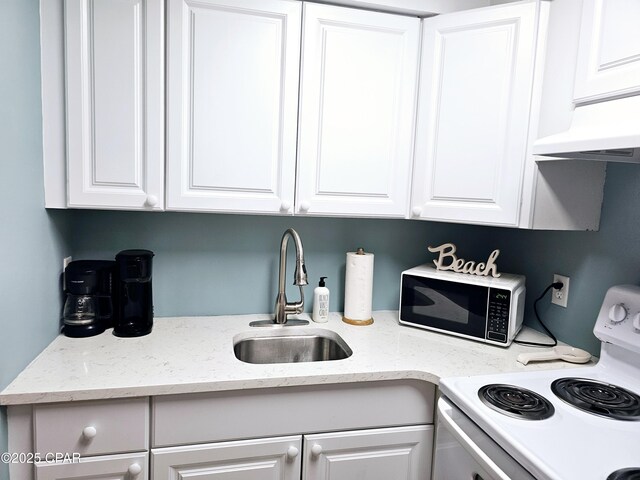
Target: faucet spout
(284, 308)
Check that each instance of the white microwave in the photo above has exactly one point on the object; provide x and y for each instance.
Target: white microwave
(485, 309)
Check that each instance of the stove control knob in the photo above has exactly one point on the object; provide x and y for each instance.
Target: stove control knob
(617, 313)
(636, 321)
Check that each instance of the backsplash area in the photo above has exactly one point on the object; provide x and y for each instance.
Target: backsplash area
(218, 264)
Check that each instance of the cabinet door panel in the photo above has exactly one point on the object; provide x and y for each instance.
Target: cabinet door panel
(356, 112)
(402, 453)
(609, 52)
(232, 94)
(115, 103)
(471, 140)
(111, 467)
(264, 459)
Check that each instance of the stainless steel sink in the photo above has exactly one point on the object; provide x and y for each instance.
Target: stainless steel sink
(282, 346)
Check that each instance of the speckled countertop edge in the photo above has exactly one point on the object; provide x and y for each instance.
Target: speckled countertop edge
(195, 354)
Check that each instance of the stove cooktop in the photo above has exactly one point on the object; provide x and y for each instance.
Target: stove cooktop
(594, 430)
(570, 444)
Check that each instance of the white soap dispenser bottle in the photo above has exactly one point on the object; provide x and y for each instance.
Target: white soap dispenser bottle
(320, 302)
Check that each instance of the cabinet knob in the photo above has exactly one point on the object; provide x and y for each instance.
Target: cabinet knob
(636, 321)
(134, 469)
(285, 206)
(305, 206)
(316, 450)
(292, 452)
(151, 200)
(416, 211)
(89, 432)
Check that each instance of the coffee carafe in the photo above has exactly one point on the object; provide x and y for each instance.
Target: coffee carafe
(88, 309)
(134, 299)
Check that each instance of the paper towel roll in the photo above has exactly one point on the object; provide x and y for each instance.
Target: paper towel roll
(358, 288)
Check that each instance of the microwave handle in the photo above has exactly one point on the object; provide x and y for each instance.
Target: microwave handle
(478, 455)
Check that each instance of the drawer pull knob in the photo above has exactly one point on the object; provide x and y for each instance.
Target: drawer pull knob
(285, 206)
(134, 469)
(416, 211)
(316, 450)
(89, 432)
(305, 206)
(292, 452)
(151, 200)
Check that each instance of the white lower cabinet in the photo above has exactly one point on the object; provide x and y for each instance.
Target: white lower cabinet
(332, 432)
(259, 459)
(402, 453)
(107, 439)
(112, 467)
(276, 433)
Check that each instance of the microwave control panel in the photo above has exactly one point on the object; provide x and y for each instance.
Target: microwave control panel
(498, 314)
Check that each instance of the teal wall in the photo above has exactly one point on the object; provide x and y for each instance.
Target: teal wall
(208, 264)
(32, 241)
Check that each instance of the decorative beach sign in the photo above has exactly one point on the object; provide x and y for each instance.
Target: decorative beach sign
(447, 260)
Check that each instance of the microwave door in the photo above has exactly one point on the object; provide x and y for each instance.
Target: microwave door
(436, 305)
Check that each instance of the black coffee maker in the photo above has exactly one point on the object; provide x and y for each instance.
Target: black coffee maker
(88, 287)
(133, 296)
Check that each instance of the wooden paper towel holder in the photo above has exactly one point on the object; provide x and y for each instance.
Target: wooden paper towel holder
(357, 322)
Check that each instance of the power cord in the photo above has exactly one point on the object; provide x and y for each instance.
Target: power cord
(556, 286)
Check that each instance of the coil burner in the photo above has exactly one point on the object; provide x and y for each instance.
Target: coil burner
(625, 474)
(516, 402)
(598, 398)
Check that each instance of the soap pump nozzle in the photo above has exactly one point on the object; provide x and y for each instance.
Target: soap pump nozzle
(321, 282)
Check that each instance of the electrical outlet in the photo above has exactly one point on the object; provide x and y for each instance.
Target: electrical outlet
(561, 296)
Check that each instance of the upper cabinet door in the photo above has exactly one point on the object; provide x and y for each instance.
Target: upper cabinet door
(609, 51)
(357, 109)
(473, 114)
(232, 96)
(115, 103)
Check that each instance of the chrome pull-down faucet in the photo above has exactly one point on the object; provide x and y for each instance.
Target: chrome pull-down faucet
(284, 308)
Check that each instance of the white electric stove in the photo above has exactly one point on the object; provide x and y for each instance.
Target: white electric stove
(570, 424)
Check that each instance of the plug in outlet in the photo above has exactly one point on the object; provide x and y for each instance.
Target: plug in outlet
(561, 296)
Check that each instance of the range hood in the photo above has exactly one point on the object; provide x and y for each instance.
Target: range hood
(605, 131)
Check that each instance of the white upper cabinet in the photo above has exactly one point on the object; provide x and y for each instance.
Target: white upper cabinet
(232, 93)
(473, 115)
(609, 50)
(115, 103)
(357, 109)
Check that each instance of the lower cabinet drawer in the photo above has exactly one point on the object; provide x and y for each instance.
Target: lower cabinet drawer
(233, 415)
(92, 428)
(112, 467)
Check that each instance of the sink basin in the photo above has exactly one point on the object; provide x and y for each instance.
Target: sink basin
(290, 346)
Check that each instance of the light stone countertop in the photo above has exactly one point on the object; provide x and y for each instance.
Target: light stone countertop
(195, 354)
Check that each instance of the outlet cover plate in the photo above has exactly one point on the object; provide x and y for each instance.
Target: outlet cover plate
(560, 297)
